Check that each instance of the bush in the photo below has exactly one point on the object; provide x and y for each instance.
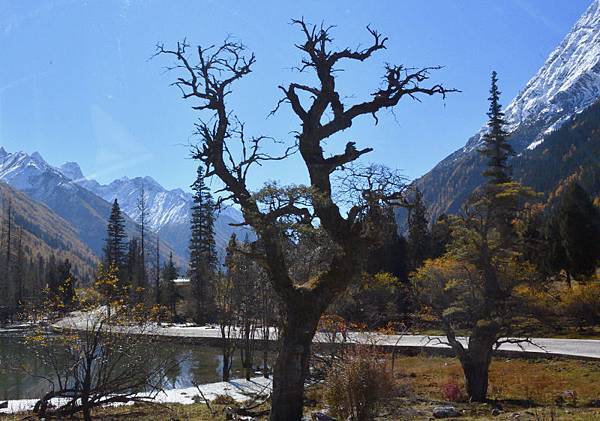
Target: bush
(356, 384)
(224, 400)
(582, 304)
(451, 390)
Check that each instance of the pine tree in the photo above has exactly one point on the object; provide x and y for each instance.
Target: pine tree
(572, 233)
(143, 214)
(169, 274)
(203, 256)
(67, 281)
(115, 249)
(496, 147)
(419, 243)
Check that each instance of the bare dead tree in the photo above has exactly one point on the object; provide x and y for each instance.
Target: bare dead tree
(206, 77)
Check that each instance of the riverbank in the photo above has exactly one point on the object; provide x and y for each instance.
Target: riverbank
(520, 389)
(239, 390)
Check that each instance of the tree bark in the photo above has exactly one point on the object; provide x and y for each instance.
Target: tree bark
(476, 373)
(292, 365)
(476, 363)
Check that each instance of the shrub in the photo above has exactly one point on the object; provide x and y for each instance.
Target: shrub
(355, 385)
(451, 390)
(224, 400)
(582, 304)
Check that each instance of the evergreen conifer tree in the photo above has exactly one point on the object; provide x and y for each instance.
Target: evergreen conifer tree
(496, 147)
(169, 274)
(573, 232)
(203, 256)
(115, 249)
(419, 243)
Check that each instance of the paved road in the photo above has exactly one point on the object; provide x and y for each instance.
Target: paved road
(582, 348)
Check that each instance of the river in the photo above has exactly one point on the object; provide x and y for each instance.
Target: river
(192, 364)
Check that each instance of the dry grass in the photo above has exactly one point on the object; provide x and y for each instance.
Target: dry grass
(420, 379)
(536, 380)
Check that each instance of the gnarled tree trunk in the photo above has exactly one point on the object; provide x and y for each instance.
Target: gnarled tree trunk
(292, 365)
(475, 362)
(476, 371)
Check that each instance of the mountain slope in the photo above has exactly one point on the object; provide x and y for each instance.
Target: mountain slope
(570, 153)
(567, 84)
(84, 210)
(168, 211)
(44, 232)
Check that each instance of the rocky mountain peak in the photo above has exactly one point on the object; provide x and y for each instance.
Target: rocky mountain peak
(71, 170)
(567, 83)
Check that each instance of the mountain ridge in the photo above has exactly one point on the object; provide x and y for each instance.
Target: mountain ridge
(567, 84)
(87, 212)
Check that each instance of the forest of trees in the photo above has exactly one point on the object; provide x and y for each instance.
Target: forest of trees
(27, 277)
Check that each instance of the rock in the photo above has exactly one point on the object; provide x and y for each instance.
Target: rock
(321, 416)
(496, 412)
(594, 403)
(445, 412)
(229, 413)
(3, 405)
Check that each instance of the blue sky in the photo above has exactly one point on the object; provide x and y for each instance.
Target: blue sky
(76, 82)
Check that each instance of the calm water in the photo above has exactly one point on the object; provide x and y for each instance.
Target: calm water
(197, 364)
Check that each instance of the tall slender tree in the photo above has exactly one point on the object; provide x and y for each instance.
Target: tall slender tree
(496, 147)
(115, 248)
(171, 295)
(157, 292)
(203, 255)
(419, 239)
(143, 215)
(8, 262)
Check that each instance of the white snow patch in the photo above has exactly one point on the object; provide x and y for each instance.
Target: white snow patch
(535, 144)
(241, 390)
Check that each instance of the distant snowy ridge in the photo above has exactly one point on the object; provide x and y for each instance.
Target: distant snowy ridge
(567, 83)
(168, 212)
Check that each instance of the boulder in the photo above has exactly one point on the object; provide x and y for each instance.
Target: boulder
(445, 412)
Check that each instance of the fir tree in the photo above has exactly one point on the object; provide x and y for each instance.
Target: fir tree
(115, 249)
(203, 256)
(169, 274)
(496, 147)
(572, 233)
(419, 243)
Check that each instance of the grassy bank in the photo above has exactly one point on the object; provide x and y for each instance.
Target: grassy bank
(535, 389)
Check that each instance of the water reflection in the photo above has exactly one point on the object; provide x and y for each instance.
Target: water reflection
(21, 368)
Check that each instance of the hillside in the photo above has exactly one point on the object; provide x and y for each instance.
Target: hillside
(44, 232)
(85, 211)
(556, 106)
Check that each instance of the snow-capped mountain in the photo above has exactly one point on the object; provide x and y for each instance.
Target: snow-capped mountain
(22, 171)
(567, 83)
(86, 211)
(163, 206)
(86, 203)
(565, 87)
(168, 212)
